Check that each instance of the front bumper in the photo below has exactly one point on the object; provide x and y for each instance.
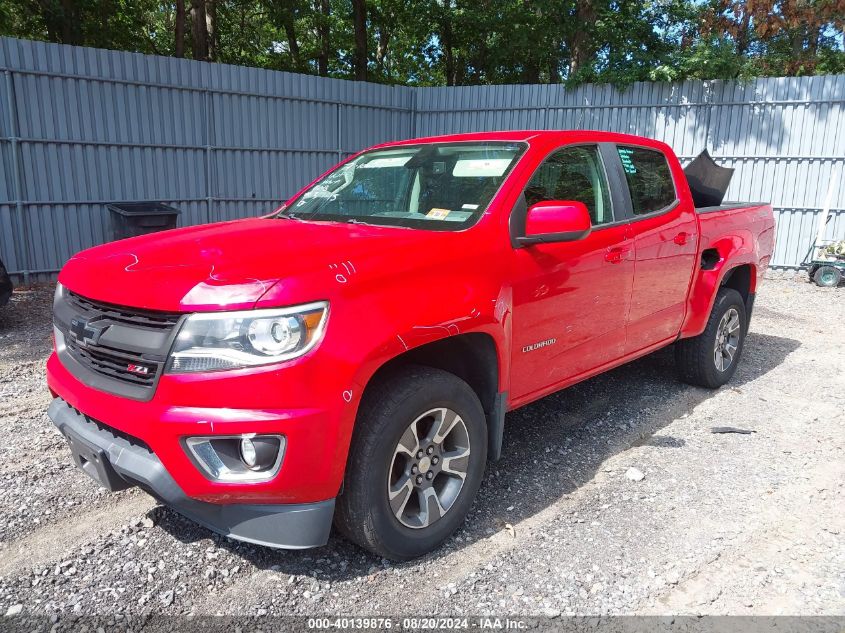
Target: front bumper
(231, 403)
(118, 461)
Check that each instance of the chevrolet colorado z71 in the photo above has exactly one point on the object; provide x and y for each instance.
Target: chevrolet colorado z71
(350, 358)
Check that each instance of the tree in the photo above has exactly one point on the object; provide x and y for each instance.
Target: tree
(784, 37)
(359, 20)
(324, 34)
(63, 20)
(179, 29)
(461, 42)
(582, 42)
(200, 29)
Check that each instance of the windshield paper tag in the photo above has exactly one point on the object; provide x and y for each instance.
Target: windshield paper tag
(481, 167)
(388, 161)
(437, 214)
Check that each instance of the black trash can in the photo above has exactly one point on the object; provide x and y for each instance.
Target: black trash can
(129, 219)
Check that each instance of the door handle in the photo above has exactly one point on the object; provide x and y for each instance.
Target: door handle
(681, 238)
(616, 255)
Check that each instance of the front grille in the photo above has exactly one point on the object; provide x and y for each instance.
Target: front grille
(115, 364)
(118, 349)
(130, 316)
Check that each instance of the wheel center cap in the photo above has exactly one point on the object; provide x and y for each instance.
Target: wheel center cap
(425, 464)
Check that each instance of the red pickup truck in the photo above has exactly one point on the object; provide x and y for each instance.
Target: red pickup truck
(350, 358)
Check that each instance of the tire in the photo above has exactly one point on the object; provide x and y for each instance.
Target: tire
(696, 358)
(827, 276)
(414, 396)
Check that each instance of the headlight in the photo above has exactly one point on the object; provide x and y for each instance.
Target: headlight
(233, 340)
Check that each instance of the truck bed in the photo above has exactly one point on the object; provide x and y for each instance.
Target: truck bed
(729, 206)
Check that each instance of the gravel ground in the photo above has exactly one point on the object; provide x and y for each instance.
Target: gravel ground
(746, 524)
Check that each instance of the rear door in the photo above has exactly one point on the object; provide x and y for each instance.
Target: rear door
(664, 231)
(570, 299)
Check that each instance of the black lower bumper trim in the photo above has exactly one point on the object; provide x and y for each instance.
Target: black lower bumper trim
(287, 526)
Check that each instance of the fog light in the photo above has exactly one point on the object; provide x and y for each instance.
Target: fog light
(237, 458)
(248, 453)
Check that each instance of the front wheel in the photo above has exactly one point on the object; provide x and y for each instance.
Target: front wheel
(415, 464)
(710, 359)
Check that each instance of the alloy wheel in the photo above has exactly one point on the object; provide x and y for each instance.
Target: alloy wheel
(727, 340)
(428, 468)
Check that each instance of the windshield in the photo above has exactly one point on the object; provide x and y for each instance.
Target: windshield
(441, 186)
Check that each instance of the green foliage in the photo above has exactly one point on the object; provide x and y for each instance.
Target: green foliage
(709, 58)
(463, 42)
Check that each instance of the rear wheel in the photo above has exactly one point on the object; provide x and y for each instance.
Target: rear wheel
(415, 464)
(710, 359)
(827, 276)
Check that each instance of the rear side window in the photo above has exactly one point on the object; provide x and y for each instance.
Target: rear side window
(649, 179)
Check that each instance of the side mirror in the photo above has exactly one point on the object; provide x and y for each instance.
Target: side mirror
(556, 221)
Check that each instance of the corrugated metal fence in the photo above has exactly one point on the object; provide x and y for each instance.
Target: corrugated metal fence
(80, 128)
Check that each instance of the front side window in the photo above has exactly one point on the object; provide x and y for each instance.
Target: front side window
(441, 186)
(649, 179)
(573, 173)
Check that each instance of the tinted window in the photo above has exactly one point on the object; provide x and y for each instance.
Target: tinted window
(573, 173)
(649, 179)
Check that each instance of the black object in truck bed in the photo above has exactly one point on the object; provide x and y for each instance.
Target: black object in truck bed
(708, 182)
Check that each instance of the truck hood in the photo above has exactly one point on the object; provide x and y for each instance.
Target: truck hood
(229, 265)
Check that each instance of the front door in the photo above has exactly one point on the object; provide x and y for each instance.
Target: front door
(570, 299)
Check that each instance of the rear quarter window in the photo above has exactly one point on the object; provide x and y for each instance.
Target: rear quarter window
(649, 179)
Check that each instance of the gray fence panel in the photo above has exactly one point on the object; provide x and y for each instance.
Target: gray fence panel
(91, 127)
(83, 127)
(797, 230)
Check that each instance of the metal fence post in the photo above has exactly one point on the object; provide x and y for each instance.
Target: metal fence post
(339, 135)
(548, 106)
(414, 113)
(209, 142)
(14, 137)
(708, 99)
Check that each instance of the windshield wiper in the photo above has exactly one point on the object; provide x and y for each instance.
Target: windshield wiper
(380, 226)
(357, 221)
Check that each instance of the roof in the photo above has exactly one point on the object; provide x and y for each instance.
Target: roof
(558, 136)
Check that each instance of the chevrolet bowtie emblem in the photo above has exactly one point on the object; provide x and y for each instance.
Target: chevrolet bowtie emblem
(85, 332)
